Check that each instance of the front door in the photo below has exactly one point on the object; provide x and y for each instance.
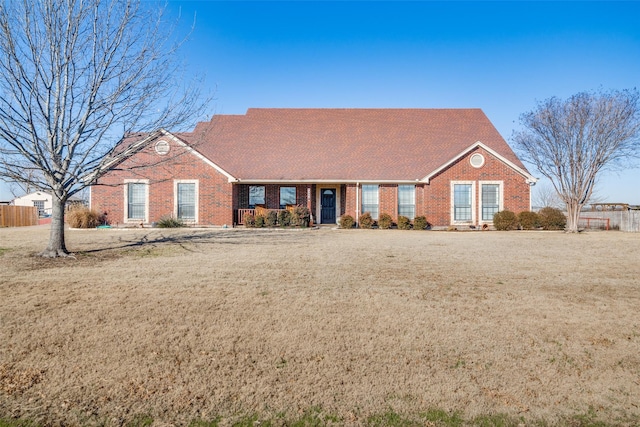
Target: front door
(328, 206)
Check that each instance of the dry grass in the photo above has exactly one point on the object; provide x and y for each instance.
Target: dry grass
(185, 324)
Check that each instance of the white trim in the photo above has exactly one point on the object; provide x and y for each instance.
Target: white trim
(473, 202)
(197, 200)
(328, 181)
(319, 189)
(230, 178)
(529, 178)
(500, 185)
(125, 209)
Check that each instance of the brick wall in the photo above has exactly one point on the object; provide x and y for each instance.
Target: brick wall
(437, 195)
(215, 195)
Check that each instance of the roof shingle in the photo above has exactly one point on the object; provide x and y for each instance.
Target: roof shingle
(342, 144)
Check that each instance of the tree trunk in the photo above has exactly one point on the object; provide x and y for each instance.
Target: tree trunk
(573, 215)
(56, 246)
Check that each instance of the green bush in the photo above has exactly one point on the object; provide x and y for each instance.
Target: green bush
(284, 218)
(260, 221)
(347, 221)
(404, 223)
(365, 220)
(249, 220)
(301, 216)
(552, 219)
(420, 223)
(271, 219)
(505, 220)
(83, 217)
(169, 222)
(385, 221)
(528, 220)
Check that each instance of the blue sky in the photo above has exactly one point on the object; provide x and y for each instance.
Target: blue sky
(501, 57)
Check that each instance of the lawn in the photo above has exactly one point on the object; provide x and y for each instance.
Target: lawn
(320, 327)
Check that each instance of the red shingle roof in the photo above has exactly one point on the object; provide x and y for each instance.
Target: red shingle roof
(342, 144)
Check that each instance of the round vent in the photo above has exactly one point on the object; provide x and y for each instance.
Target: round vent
(477, 160)
(162, 147)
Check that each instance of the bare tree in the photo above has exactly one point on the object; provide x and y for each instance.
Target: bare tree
(571, 141)
(76, 77)
(546, 196)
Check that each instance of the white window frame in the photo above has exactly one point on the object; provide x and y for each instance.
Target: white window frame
(362, 209)
(473, 202)
(126, 218)
(500, 185)
(193, 220)
(413, 199)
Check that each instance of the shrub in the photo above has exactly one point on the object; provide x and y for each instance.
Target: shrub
(271, 219)
(552, 219)
(260, 221)
(284, 218)
(169, 222)
(528, 220)
(419, 223)
(249, 221)
(301, 216)
(385, 222)
(83, 217)
(366, 221)
(505, 220)
(346, 221)
(404, 223)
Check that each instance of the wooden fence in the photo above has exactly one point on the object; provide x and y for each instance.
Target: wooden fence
(18, 216)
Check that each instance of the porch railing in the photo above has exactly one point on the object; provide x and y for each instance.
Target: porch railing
(259, 210)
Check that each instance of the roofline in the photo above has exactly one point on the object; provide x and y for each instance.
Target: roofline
(328, 181)
(530, 179)
(199, 155)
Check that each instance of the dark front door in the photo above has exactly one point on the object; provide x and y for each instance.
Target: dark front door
(328, 206)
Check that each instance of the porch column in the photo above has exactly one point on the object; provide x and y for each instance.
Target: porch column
(309, 202)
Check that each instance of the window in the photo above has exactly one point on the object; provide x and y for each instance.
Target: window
(136, 201)
(490, 197)
(407, 201)
(370, 200)
(462, 210)
(287, 196)
(256, 195)
(40, 205)
(186, 200)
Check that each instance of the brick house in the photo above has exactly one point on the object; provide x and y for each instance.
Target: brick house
(450, 165)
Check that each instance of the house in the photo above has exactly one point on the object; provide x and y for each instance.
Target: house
(43, 201)
(450, 165)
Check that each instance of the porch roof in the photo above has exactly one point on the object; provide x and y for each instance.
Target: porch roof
(342, 144)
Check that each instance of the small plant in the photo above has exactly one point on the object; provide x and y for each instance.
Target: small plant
(170, 222)
(301, 216)
(271, 219)
(385, 222)
(552, 219)
(249, 221)
(528, 220)
(404, 223)
(260, 221)
(347, 221)
(366, 221)
(284, 218)
(420, 223)
(505, 220)
(83, 217)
